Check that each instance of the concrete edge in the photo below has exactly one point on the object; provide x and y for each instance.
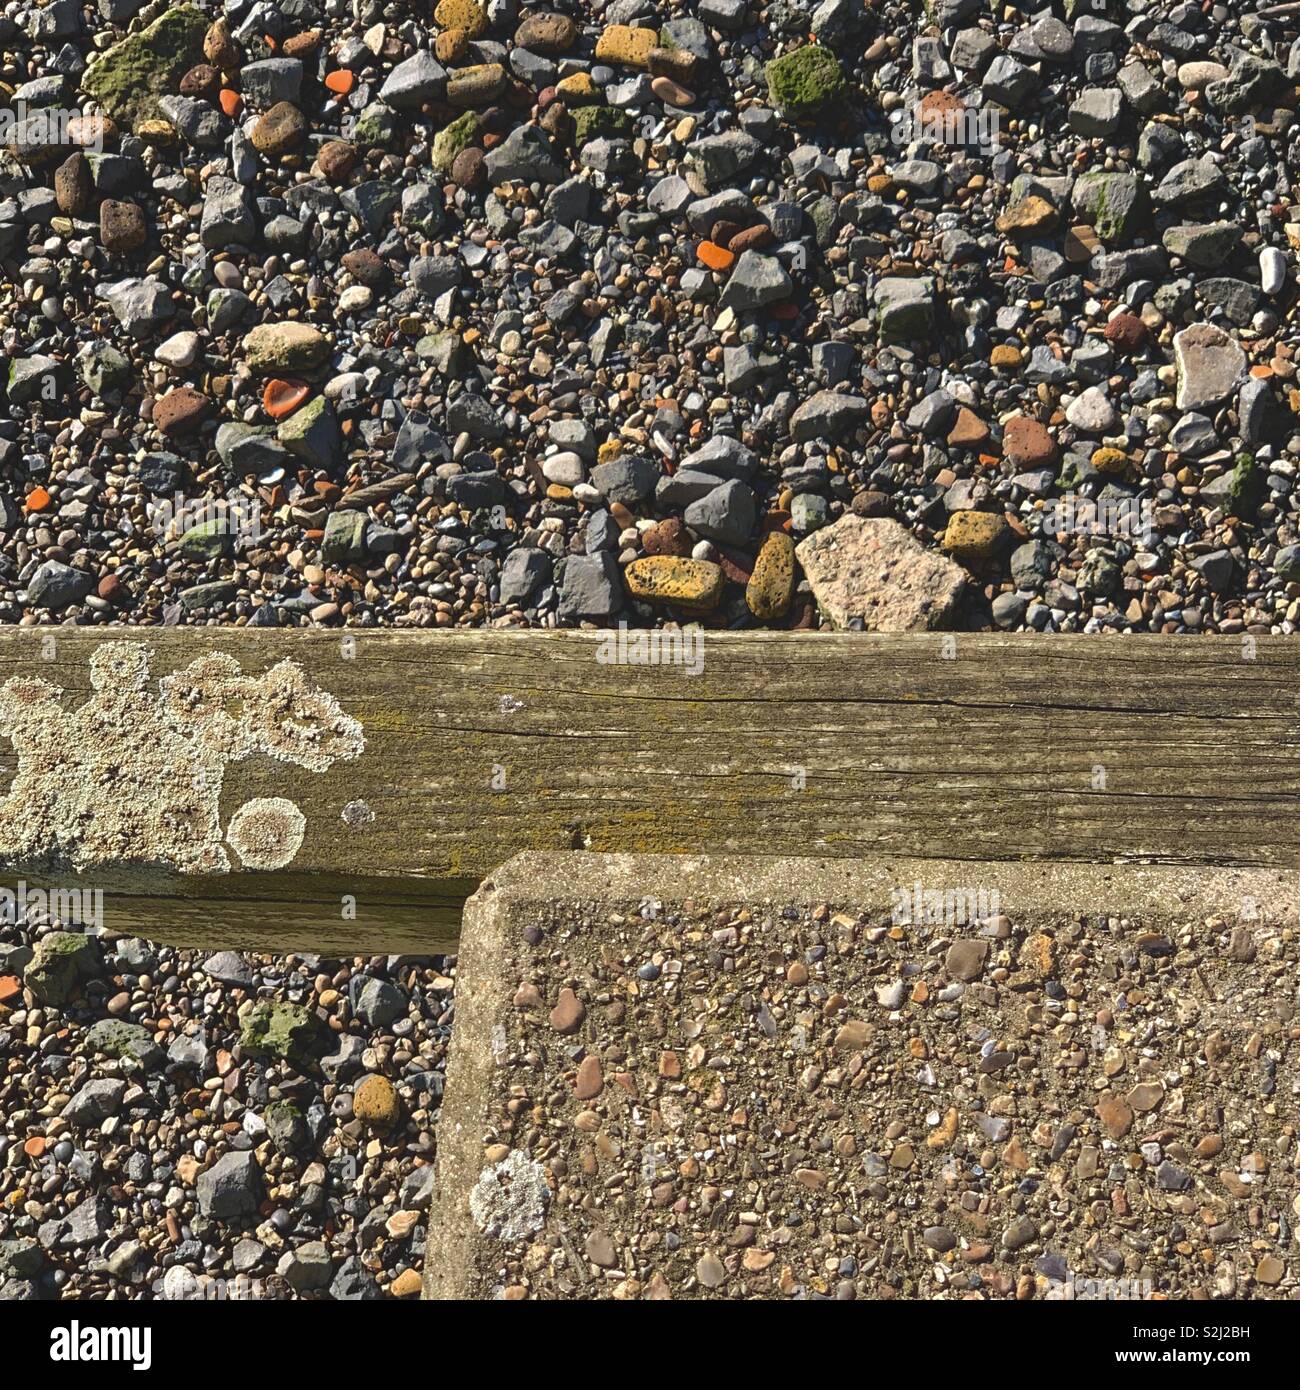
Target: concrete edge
(458, 1159)
(1159, 891)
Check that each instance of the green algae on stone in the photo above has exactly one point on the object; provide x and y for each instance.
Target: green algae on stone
(313, 434)
(1246, 488)
(802, 82)
(600, 123)
(290, 346)
(128, 80)
(345, 537)
(451, 139)
(103, 368)
(443, 350)
(290, 1032)
(61, 962)
(286, 1126)
(129, 1043)
(207, 541)
(1114, 203)
(377, 125)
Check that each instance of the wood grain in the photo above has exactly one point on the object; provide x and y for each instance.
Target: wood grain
(483, 744)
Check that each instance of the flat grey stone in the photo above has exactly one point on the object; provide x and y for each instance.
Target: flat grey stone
(227, 219)
(57, 586)
(828, 415)
(590, 588)
(524, 156)
(94, 1102)
(726, 514)
(756, 280)
(271, 80)
(417, 79)
(231, 1189)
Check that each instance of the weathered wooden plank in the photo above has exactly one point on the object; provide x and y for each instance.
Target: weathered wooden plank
(483, 744)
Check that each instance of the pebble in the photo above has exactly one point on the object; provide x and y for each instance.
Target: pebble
(693, 585)
(770, 588)
(975, 537)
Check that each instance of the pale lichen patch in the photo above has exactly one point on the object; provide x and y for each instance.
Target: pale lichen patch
(130, 777)
(509, 1200)
(267, 832)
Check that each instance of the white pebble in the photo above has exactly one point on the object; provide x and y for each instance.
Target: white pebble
(565, 469)
(1272, 270)
(179, 350)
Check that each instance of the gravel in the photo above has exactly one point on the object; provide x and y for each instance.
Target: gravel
(175, 1126)
(376, 280)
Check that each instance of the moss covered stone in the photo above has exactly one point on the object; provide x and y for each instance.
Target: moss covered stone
(285, 347)
(313, 434)
(600, 123)
(207, 541)
(1246, 488)
(1115, 203)
(287, 1031)
(450, 140)
(377, 125)
(103, 368)
(61, 962)
(286, 1126)
(804, 81)
(131, 76)
(126, 1042)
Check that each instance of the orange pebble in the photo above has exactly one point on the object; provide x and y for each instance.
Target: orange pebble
(281, 397)
(34, 1147)
(38, 500)
(715, 257)
(10, 985)
(230, 101)
(341, 80)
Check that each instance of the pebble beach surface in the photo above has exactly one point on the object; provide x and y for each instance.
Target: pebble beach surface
(186, 1126)
(466, 314)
